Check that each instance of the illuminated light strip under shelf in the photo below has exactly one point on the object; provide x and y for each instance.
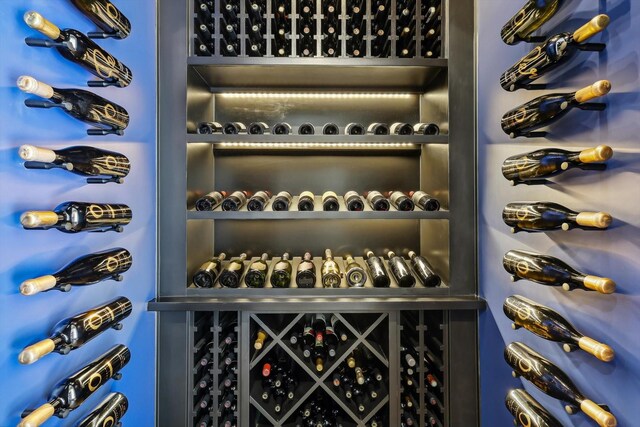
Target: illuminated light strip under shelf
(317, 95)
(317, 145)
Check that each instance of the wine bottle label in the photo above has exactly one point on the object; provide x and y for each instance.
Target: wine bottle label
(527, 20)
(37, 154)
(328, 194)
(591, 28)
(527, 411)
(38, 22)
(308, 194)
(108, 413)
(36, 351)
(30, 85)
(401, 129)
(599, 88)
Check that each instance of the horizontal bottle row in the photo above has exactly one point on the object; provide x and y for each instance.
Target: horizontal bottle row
(307, 201)
(71, 392)
(309, 272)
(283, 128)
(309, 28)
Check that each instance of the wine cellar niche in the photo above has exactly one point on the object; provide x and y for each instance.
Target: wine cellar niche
(276, 113)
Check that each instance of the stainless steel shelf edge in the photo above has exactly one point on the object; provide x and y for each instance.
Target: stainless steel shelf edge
(320, 62)
(258, 140)
(292, 215)
(342, 303)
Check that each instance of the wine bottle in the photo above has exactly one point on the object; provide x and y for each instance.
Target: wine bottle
(79, 104)
(76, 47)
(527, 20)
(547, 216)
(377, 201)
(234, 128)
(72, 392)
(258, 128)
(400, 201)
(107, 17)
(74, 332)
(424, 271)
(547, 109)
(306, 272)
(281, 274)
(258, 201)
(549, 55)
(282, 201)
(86, 270)
(355, 275)
(378, 129)
(208, 128)
(330, 201)
(306, 129)
(256, 275)
(378, 272)
(353, 201)
(426, 129)
(330, 129)
(400, 271)
(261, 336)
(306, 201)
(554, 382)
(81, 160)
(210, 201)
(401, 129)
(540, 164)
(235, 201)
(208, 272)
(550, 325)
(331, 275)
(108, 413)
(355, 129)
(231, 275)
(281, 129)
(319, 352)
(424, 201)
(551, 271)
(72, 217)
(527, 411)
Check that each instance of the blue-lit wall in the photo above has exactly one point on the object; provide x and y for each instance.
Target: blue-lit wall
(613, 319)
(30, 253)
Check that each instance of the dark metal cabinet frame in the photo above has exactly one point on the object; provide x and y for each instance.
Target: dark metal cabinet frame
(176, 303)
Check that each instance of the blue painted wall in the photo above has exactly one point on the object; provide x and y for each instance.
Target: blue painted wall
(25, 254)
(613, 319)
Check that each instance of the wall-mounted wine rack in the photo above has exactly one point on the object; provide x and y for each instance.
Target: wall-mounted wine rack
(320, 89)
(393, 29)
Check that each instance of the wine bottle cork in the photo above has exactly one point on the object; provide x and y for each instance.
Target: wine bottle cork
(599, 88)
(594, 219)
(37, 285)
(259, 343)
(599, 415)
(33, 219)
(37, 154)
(38, 22)
(591, 28)
(36, 351)
(601, 284)
(601, 351)
(601, 153)
(30, 85)
(38, 416)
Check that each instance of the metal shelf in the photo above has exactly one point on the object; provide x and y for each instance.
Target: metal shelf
(335, 74)
(348, 142)
(342, 300)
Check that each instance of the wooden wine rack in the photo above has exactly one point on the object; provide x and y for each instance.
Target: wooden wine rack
(342, 89)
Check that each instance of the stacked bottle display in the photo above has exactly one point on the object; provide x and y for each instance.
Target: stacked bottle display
(313, 368)
(314, 28)
(215, 369)
(422, 368)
